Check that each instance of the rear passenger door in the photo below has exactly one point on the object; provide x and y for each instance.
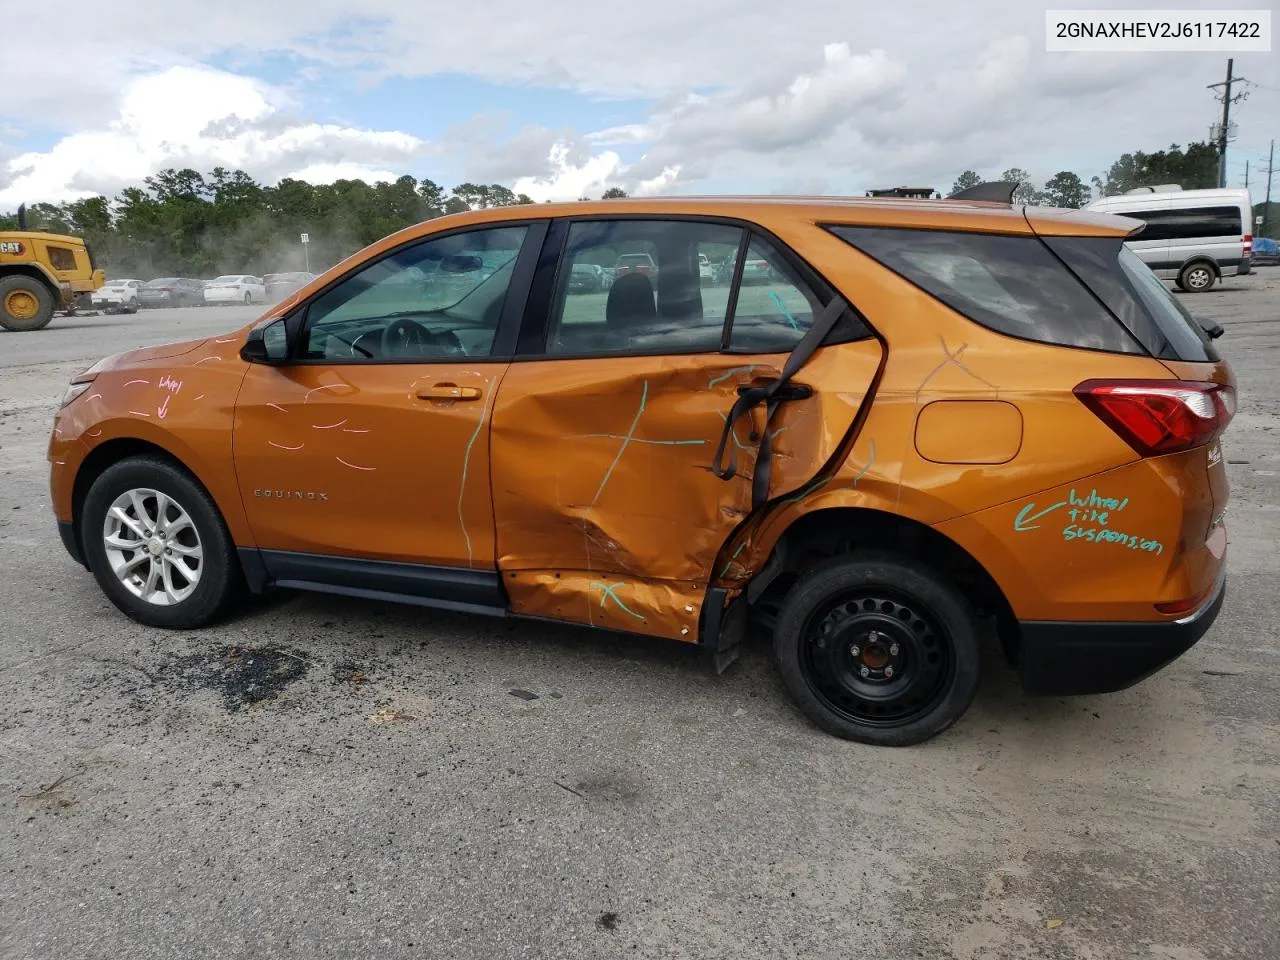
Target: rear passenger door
(605, 428)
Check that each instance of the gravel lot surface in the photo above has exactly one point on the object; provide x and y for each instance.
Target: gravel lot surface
(324, 777)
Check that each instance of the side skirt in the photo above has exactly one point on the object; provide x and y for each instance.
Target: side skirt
(445, 588)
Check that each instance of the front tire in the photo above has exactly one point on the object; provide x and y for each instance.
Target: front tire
(1197, 277)
(25, 304)
(877, 649)
(157, 544)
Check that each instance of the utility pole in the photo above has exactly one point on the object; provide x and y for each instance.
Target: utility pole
(1246, 174)
(1266, 208)
(1227, 100)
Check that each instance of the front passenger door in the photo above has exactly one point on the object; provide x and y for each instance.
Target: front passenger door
(373, 442)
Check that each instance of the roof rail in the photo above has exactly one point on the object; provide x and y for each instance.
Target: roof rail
(993, 191)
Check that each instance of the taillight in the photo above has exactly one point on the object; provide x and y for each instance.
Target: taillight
(1156, 417)
(1248, 244)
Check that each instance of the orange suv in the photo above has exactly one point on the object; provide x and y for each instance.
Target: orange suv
(933, 418)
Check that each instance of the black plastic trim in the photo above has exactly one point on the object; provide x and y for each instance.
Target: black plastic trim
(254, 570)
(451, 588)
(992, 191)
(1070, 658)
(67, 534)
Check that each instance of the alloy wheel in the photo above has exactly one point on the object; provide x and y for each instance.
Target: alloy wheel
(152, 546)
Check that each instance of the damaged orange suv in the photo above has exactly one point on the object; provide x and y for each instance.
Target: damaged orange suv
(880, 428)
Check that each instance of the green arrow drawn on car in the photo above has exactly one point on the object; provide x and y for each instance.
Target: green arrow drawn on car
(1022, 522)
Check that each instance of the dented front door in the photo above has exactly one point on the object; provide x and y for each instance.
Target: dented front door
(606, 508)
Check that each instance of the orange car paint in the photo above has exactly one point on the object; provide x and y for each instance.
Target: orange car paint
(588, 483)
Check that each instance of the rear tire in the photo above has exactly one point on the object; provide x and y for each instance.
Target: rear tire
(182, 569)
(878, 649)
(25, 303)
(1197, 277)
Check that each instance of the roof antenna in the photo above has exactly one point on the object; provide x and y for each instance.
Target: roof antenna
(993, 191)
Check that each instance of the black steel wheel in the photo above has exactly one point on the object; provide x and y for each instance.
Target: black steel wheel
(877, 649)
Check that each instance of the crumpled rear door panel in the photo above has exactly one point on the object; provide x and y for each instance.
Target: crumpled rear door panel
(606, 508)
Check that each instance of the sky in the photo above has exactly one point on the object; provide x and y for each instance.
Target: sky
(561, 100)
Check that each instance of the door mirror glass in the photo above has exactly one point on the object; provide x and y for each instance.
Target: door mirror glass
(269, 344)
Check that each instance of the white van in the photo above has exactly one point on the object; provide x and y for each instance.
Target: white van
(1192, 237)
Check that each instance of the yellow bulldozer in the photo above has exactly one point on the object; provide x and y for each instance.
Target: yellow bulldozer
(42, 273)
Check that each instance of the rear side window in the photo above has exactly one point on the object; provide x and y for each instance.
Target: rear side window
(1192, 223)
(1132, 292)
(1013, 285)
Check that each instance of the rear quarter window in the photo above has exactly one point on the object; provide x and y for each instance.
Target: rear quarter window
(1012, 285)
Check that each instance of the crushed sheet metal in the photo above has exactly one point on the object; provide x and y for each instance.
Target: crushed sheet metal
(652, 607)
(604, 468)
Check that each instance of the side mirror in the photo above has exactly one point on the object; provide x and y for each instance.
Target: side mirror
(269, 345)
(1214, 330)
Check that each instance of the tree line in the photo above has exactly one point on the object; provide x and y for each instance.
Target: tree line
(184, 223)
(1195, 168)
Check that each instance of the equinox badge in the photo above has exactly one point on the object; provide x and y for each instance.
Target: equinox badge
(291, 494)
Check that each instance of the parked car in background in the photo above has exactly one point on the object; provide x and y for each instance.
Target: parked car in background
(1266, 252)
(121, 295)
(1192, 237)
(280, 285)
(584, 279)
(171, 292)
(813, 457)
(235, 288)
(705, 273)
(640, 263)
(756, 270)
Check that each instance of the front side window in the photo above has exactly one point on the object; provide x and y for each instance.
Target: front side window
(1011, 284)
(439, 299)
(635, 286)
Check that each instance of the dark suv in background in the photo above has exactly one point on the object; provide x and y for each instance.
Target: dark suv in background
(280, 285)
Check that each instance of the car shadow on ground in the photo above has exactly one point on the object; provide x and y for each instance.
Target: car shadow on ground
(341, 628)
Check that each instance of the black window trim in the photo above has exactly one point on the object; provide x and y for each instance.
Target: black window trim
(1142, 347)
(536, 328)
(509, 322)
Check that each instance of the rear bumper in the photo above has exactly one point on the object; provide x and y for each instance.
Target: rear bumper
(1068, 658)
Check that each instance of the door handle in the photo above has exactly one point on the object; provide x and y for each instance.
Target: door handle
(448, 391)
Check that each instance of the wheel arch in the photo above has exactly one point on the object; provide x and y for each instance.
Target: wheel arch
(113, 451)
(1201, 258)
(818, 535)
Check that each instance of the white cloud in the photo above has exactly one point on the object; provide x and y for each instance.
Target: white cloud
(569, 180)
(202, 118)
(741, 94)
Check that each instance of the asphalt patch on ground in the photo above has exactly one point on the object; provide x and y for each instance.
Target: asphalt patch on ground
(243, 676)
